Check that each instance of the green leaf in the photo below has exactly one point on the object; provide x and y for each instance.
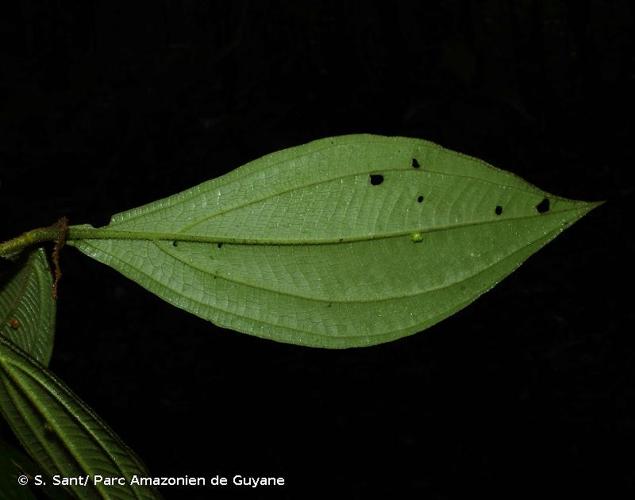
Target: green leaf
(27, 307)
(343, 242)
(60, 432)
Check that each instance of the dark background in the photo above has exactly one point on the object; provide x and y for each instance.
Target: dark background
(105, 106)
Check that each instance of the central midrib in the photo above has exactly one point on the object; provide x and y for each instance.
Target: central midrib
(78, 233)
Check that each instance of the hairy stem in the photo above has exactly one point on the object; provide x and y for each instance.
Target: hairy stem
(55, 233)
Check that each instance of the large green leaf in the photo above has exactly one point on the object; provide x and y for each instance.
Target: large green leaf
(60, 432)
(27, 307)
(342, 242)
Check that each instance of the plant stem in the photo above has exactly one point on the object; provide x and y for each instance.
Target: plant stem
(54, 232)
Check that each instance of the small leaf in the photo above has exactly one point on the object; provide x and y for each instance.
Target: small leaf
(342, 242)
(60, 432)
(27, 308)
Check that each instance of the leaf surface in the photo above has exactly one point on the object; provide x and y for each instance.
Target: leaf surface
(342, 242)
(27, 308)
(60, 431)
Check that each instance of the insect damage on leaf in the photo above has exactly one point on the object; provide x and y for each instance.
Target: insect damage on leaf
(376, 179)
(543, 206)
(306, 230)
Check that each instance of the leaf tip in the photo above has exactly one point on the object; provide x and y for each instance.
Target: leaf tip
(596, 204)
(592, 205)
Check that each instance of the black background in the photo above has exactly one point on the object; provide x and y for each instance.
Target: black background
(109, 105)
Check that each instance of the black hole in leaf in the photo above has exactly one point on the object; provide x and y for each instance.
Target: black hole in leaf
(219, 245)
(415, 163)
(175, 243)
(543, 206)
(498, 210)
(419, 199)
(376, 179)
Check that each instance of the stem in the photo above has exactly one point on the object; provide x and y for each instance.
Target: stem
(55, 232)
(13, 247)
